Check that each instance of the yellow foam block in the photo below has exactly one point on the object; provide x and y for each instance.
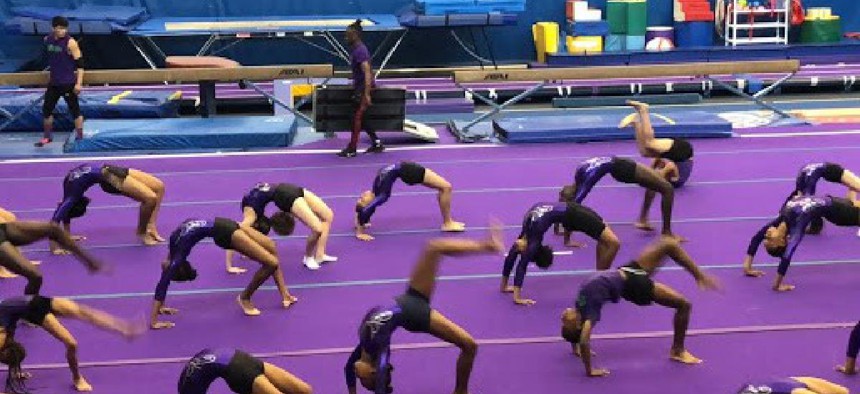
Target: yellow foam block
(587, 44)
(302, 89)
(818, 12)
(546, 38)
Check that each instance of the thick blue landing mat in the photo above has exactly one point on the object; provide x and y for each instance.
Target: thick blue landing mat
(583, 128)
(224, 132)
(195, 26)
(94, 105)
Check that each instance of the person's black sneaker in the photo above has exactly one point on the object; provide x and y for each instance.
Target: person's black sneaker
(348, 152)
(43, 142)
(377, 147)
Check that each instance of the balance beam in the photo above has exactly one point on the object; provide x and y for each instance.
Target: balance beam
(257, 73)
(547, 75)
(205, 77)
(610, 72)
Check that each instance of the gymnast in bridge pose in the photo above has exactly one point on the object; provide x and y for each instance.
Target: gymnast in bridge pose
(43, 312)
(411, 174)
(292, 201)
(135, 184)
(371, 359)
(794, 385)
(807, 181)
(243, 373)
(529, 244)
(227, 234)
(622, 170)
(783, 234)
(633, 283)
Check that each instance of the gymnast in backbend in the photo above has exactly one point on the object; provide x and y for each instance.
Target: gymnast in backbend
(227, 234)
(807, 182)
(411, 174)
(292, 201)
(243, 373)
(622, 170)
(633, 283)
(135, 184)
(370, 362)
(782, 235)
(529, 244)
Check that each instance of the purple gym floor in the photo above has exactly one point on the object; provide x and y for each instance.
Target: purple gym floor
(737, 184)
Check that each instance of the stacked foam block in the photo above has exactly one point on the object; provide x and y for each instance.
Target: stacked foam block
(820, 25)
(586, 28)
(546, 39)
(443, 7)
(628, 22)
(694, 23)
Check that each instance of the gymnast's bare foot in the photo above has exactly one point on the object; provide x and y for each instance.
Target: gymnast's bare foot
(453, 227)
(147, 240)
(81, 384)
(247, 307)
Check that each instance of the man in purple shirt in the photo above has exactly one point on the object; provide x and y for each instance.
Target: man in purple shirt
(66, 66)
(362, 83)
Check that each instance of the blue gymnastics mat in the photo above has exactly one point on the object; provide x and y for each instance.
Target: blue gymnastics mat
(604, 127)
(117, 104)
(196, 26)
(223, 132)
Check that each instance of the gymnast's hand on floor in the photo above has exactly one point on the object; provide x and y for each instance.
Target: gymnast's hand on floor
(708, 282)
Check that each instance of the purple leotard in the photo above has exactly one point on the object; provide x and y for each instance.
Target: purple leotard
(596, 291)
(203, 369)
(375, 333)
(75, 184)
(797, 214)
(13, 309)
(776, 386)
(260, 196)
(808, 176)
(589, 173)
(182, 241)
(382, 185)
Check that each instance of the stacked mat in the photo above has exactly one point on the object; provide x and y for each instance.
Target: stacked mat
(694, 23)
(628, 21)
(94, 105)
(585, 28)
(585, 128)
(820, 26)
(444, 7)
(411, 18)
(86, 19)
